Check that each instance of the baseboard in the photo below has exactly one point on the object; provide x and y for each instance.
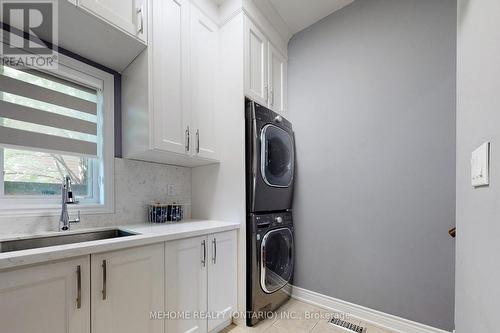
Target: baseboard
(383, 320)
(222, 326)
(240, 321)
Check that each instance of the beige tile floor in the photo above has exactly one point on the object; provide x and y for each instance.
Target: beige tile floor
(300, 317)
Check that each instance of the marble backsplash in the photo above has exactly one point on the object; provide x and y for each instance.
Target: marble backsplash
(136, 184)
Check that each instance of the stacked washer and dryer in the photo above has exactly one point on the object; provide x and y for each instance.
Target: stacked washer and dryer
(270, 169)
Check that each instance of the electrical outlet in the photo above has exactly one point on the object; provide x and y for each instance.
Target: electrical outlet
(171, 190)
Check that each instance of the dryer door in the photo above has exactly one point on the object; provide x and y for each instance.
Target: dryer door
(276, 259)
(277, 156)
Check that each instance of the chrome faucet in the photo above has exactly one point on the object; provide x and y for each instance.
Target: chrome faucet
(67, 199)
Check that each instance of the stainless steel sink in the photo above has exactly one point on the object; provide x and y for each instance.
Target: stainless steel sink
(62, 239)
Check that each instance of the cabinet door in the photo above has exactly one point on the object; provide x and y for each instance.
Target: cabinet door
(169, 79)
(255, 63)
(127, 15)
(53, 297)
(277, 80)
(186, 284)
(127, 285)
(204, 52)
(222, 278)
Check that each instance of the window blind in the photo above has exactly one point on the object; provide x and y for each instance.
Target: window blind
(39, 111)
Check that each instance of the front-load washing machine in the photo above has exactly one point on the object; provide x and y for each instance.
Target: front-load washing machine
(270, 262)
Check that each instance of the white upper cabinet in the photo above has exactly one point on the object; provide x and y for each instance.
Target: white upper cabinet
(204, 43)
(277, 80)
(52, 297)
(126, 286)
(169, 48)
(127, 15)
(111, 33)
(168, 94)
(255, 63)
(222, 278)
(171, 93)
(265, 70)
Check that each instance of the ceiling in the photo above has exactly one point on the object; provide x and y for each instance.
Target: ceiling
(299, 14)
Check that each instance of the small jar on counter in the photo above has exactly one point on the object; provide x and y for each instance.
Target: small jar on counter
(162, 213)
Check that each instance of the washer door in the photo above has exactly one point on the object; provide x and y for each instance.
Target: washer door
(276, 259)
(277, 156)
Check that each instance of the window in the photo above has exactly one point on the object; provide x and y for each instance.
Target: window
(54, 124)
(32, 173)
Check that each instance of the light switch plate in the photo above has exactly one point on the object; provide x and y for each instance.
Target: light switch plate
(480, 165)
(171, 190)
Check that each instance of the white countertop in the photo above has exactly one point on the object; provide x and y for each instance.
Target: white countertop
(146, 233)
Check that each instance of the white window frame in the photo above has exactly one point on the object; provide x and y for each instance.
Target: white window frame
(82, 73)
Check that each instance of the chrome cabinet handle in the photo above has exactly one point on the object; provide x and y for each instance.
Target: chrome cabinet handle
(187, 139)
(197, 141)
(104, 280)
(78, 287)
(266, 93)
(271, 96)
(140, 12)
(204, 256)
(214, 254)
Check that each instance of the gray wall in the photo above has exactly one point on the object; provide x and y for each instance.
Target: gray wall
(478, 210)
(372, 100)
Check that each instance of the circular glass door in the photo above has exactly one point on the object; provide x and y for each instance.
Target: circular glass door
(276, 259)
(277, 156)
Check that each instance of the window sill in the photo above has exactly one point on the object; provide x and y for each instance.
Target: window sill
(53, 210)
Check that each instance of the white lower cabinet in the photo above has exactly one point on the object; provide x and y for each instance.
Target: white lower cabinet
(201, 282)
(222, 278)
(119, 291)
(127, 285)
(186, 284)
(53, 297)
